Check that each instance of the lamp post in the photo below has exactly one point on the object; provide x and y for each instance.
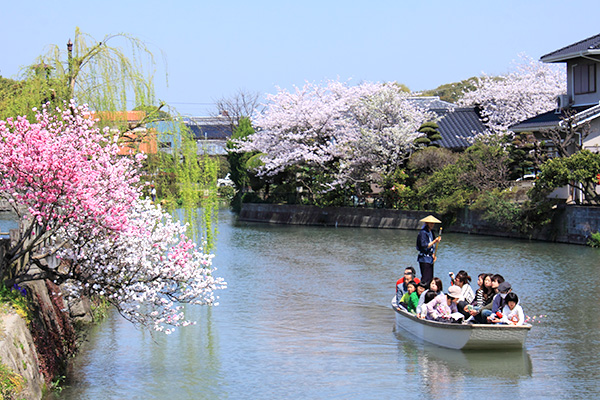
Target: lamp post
(70, 63)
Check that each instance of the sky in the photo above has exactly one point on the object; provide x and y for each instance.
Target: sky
(209, 50)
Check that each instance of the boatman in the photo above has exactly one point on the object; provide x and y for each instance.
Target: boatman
(426, 245)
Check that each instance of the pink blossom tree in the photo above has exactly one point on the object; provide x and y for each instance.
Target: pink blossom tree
(529, 89)
(83, 222)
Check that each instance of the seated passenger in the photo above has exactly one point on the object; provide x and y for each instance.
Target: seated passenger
(421, 288)
(497, 279)
(409, 275)
(462, 281)
(512, 312)
(443, 307)
(485, 293)
(435, 286)
(410, 299)
(428, 297)
(497, 304)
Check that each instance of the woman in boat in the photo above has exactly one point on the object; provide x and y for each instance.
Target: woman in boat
(426, 244)
(462, 281)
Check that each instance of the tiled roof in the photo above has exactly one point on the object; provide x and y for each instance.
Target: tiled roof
(589, 46)
(215, 128)
(458, 127)
(546, 120)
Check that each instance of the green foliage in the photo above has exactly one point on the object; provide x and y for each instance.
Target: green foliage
(582, 167)
(525, 154)
(11, 383)
(17, 298)
(431, 135)
(430, 159)
(498, 209)
(452, 92)
(594, 240)
(239, 169)
(227, 193)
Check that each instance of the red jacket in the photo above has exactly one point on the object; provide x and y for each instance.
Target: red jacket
(401, 280)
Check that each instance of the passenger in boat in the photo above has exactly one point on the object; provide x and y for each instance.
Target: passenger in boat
(428, 296)
(512, 312)
(401, 284)
(485, 293)
(443, 308)
(426, 244)
(497, 279)
(436, 287)
(462, 281)
(410, 299)
(498, 303)
(480, 315)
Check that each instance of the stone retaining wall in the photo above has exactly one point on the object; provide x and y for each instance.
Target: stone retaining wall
(331, 216)
(571, 224)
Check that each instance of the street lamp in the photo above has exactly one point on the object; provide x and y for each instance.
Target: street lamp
(70, 62)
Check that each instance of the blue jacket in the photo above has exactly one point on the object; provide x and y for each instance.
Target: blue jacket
(423, 239)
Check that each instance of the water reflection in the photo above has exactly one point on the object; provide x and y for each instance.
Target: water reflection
(500, 364)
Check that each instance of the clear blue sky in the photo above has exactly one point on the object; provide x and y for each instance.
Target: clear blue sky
(215, 48)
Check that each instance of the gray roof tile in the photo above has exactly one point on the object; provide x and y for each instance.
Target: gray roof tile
(590, 45)
(458, 127)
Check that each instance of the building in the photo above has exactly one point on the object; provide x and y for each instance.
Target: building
(579, 108)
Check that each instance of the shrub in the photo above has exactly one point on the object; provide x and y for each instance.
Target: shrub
(594, 240)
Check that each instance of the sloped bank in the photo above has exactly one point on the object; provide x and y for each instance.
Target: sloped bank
(571, 224)
(36, 349)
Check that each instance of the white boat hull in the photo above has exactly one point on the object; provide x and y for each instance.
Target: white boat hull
(462, 336)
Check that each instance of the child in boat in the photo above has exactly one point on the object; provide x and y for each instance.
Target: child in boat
(444, 306)
(485, 293)
(512, 312)
(410, 299)
(401, 284)
(421, 289)
(435, 286)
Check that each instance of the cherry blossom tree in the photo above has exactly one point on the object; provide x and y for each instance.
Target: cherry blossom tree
(529, 89)
(388, 121)
(83, 220)
(344, 131)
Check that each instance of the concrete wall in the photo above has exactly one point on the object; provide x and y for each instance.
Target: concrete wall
(571, 224)
(331, 216)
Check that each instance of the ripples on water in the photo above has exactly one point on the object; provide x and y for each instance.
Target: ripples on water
(306, 316)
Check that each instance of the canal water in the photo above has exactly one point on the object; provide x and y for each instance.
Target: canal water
(306, 315)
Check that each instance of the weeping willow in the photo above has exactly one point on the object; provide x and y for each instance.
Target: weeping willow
(196, 191)
(114, 76)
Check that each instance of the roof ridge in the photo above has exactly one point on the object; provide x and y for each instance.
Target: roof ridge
(573, 45)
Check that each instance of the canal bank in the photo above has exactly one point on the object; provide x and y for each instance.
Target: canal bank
(571, 224)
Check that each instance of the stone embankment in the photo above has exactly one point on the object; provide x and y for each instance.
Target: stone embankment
(571, 224)
(37, 348)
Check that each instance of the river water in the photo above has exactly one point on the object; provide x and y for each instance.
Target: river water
(306, 315)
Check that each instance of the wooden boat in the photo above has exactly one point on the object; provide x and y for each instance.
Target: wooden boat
(462, 336)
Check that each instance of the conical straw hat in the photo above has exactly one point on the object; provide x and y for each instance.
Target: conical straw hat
(431, 218)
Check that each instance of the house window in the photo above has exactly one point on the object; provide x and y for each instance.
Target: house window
(585, 78)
